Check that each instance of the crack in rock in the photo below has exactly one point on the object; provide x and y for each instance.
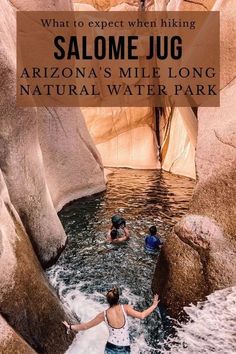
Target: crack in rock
(196, 3)
(222, 141)
(228, 83)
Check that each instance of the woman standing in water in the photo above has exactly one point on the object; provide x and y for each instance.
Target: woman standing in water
(116, 320)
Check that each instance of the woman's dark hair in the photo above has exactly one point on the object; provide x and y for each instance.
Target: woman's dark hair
(113, 234)
(153, 230)
(118, 221)
(113, 297)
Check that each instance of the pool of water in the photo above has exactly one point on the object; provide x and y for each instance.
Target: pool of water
(90, 266)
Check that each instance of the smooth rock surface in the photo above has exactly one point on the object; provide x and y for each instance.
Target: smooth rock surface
(47, 158)
(196, 261)
(190, 5)
(11, 342)
(125, 137)
(179, 137)
(199, 256)
(216, 162)
(27, 302)
(47, 154)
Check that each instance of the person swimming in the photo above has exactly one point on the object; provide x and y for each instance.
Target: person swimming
(116, 319)
(118, 222)
(118, 228)
(152, 242)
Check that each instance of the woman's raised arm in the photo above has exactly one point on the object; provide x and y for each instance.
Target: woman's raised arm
(141, 315)
(84, 326)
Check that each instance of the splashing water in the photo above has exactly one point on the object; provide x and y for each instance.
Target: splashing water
(89, 266)
(211, 327)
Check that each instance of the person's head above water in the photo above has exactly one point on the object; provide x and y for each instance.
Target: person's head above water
(114, 234)
(118, 221)
(153, 230)
(113, 297)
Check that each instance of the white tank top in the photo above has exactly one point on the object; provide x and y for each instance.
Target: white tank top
(118, 336)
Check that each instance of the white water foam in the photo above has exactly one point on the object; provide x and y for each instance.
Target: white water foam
(93, 341)
(87, 306)
(212, 326)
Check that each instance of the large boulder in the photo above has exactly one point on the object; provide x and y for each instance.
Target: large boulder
(27, 302)
(197, 260)
(199, 255)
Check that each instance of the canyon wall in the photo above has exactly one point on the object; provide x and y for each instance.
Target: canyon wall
(127, 136)
(47, 158)
(199, 256)
(30, 310)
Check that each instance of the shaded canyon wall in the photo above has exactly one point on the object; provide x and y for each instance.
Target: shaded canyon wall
(47, 158)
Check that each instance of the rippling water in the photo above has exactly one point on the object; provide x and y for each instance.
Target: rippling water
(89, 266)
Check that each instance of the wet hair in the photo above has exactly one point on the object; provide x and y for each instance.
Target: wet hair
(113, 297)
(118, 221)
(113, 234)
(153, 230)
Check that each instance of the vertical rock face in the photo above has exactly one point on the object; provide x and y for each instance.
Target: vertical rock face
(199, 256)
(216, 161)
(47, 158)
(178, 141)
(27, 303)
(46, 155)
(72, 164)
(127, 136)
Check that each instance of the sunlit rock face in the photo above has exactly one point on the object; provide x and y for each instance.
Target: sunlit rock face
(47, 158)
(199, 256)
(189, 5)
(127, 137)
(216, 161)
(47, 154)
(112, 5)
(178, 132)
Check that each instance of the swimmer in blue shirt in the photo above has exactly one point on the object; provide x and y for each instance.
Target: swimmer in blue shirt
(152, 242)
